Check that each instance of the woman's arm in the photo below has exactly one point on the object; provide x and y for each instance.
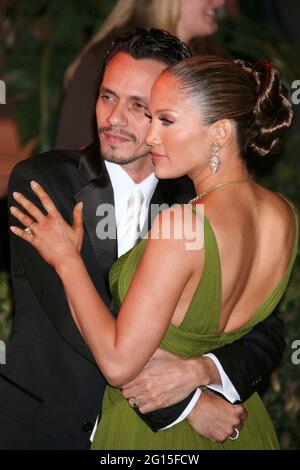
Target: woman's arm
(121, 347)
(144, 316)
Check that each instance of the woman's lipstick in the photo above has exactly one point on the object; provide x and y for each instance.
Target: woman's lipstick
(157, 157)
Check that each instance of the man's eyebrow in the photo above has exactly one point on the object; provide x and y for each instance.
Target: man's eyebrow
(165, 110)
(104, 89)
(144, 99)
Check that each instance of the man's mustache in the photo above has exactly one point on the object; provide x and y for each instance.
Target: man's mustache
(127, 135)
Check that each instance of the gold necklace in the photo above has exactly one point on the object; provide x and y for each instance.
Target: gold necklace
(205, 193)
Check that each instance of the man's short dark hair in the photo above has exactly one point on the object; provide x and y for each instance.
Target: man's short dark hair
(155, 44)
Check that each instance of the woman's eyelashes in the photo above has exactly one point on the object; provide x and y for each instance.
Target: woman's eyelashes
(148, 115)
(165, 121)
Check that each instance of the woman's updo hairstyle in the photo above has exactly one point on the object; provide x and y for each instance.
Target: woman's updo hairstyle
(252, 96)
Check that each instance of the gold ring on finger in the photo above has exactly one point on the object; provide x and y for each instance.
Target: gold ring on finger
(28, 229)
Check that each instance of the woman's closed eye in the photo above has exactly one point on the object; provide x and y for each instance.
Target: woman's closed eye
(165, 121)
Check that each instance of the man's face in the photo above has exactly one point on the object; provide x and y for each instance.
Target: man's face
(122, 106)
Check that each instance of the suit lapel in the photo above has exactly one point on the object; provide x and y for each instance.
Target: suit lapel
(94, 198)
(94, 195)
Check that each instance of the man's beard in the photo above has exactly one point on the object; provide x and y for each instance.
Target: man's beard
(114, 158)
(122, 160)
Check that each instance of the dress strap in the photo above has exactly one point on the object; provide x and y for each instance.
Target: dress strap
(296, 219)
(205, 307)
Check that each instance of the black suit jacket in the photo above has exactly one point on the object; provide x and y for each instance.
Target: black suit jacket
(51, 388)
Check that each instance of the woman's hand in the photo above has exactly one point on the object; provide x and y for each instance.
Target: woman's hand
(54, 239)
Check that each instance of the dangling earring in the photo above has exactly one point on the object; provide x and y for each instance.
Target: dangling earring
(214, 161)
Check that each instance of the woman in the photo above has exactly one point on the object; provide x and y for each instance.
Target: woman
(186, 19)
(209, 115)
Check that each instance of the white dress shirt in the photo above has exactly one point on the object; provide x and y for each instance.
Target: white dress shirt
(123, 186)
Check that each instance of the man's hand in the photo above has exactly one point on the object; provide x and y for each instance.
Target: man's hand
(167, 379)
(216, 419)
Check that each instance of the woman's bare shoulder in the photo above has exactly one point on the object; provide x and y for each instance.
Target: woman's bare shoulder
(276, 211)
(179, 222)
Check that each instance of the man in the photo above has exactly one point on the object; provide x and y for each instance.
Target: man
(51, 388)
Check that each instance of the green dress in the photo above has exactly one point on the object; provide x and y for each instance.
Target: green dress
(120, 428)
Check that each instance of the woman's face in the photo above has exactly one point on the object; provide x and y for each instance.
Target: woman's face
(180, 142)
(198, 18)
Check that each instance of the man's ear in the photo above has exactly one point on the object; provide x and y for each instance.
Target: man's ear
(221, 131)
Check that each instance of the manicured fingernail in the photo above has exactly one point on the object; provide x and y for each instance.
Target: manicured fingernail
(15, 194)
(12, 228)
(80, 205)
(13, 209)
(34, 184)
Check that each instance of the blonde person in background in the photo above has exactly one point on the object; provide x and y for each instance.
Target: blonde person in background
(186, 19)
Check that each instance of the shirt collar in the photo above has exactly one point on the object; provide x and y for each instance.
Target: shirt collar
(123, 184)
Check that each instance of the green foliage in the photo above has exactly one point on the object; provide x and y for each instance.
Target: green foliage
(251, 41)
(282, 398)
(5, 306)
(40, 39)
